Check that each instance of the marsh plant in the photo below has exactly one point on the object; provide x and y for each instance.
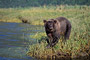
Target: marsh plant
(79, 42)
(35, 15)
(77, 45)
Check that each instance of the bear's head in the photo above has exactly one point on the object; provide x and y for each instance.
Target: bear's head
(50, 25)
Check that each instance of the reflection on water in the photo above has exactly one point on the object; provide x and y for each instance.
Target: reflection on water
(14, 40)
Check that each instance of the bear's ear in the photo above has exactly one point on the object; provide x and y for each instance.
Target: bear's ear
(55, 21)
(44, 21)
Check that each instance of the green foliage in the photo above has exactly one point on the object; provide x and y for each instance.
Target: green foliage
(35, 3)
(40, 37)
(37, 14)
(72, 47)
(77, 45)
(79, 16)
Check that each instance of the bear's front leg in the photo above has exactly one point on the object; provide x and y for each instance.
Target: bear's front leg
(56, 37)
(49, 40)
(55, 41)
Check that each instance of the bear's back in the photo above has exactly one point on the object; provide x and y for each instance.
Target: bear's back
(60, 19)
(63, 24)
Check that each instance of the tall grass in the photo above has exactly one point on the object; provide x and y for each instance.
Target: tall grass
(35, 15)
(79, 42)
(77, 45)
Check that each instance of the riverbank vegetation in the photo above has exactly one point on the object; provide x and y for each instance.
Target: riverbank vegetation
(35, 15)
(77, 46)
(79, 16)
(35, 11)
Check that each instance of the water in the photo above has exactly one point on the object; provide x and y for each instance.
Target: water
(15, 39)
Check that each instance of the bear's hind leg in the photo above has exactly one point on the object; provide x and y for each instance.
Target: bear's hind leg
(68, 31)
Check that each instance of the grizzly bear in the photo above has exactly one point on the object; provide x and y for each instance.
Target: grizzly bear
(55, 28)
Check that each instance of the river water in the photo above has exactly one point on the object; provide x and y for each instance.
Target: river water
(15, 39)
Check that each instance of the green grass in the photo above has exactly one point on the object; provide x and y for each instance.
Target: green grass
(35, 15)
(77, 45)
(79, 16)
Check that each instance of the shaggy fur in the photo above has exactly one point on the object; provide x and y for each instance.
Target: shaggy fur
(55, 28)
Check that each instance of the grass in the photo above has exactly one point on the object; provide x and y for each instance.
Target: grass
(77, 45)
(35, 15)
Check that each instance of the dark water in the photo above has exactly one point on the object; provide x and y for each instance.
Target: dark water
(15, 39)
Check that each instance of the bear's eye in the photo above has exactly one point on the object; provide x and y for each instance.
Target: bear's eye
(50, 22)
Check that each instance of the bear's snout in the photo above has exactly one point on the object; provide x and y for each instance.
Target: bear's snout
(51, 29)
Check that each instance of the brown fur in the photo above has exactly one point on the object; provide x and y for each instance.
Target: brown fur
(55, 28)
